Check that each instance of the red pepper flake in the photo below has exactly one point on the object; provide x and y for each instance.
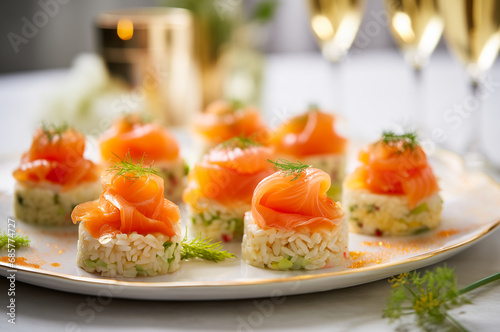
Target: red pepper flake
(358, 259)
(387, 249)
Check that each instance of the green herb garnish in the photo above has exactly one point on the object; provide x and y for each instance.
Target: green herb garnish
(16, 241)
(428, 296)
(241, 142)
(313, 107)
(203, 248)
(264, 10)
(130, 170)
(141, 118)
(287, 168)
(52, 130)
(408, 140)
(236, 104)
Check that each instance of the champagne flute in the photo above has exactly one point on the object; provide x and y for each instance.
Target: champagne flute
(472, 32)
(416, 26)
(335, 24)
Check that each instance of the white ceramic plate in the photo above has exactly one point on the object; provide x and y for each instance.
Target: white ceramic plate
(471, 212)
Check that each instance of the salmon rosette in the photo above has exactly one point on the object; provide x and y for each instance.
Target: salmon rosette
(132, 229)
(293, 224)
(313, 139)
(54, 176)
(223, 120)
(132, 135)
(220, 188)
(394, 191)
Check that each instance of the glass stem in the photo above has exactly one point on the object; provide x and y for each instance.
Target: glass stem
(474, 157)
(418, 100)
(337, 92)
(475, 117)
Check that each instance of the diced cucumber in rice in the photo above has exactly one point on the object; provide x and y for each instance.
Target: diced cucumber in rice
(129, 255)
(419, 209)
(172, 173)
(278, 249)
(217, 222)
(50, 204)
(381, 215)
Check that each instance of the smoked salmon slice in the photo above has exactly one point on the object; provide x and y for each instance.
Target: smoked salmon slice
(309, 134)
(223, 120)
(396, 164)
(295, 201)
(56, 156)
(229, 173)
(131, 134)
(132, 201)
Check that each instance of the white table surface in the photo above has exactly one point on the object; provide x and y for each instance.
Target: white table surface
(377, 93)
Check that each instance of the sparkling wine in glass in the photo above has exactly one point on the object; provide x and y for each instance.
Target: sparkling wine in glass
(472, 32)
(335, 24)
(416, 26)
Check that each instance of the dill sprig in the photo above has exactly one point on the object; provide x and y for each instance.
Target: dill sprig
(16, 241)
(52, 130)
(241, 142)
(287, 168)
(130, 170)
(203, 248)
(428, 296)
(408, 140)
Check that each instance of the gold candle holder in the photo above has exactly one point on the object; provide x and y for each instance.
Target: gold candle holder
(152, 49)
